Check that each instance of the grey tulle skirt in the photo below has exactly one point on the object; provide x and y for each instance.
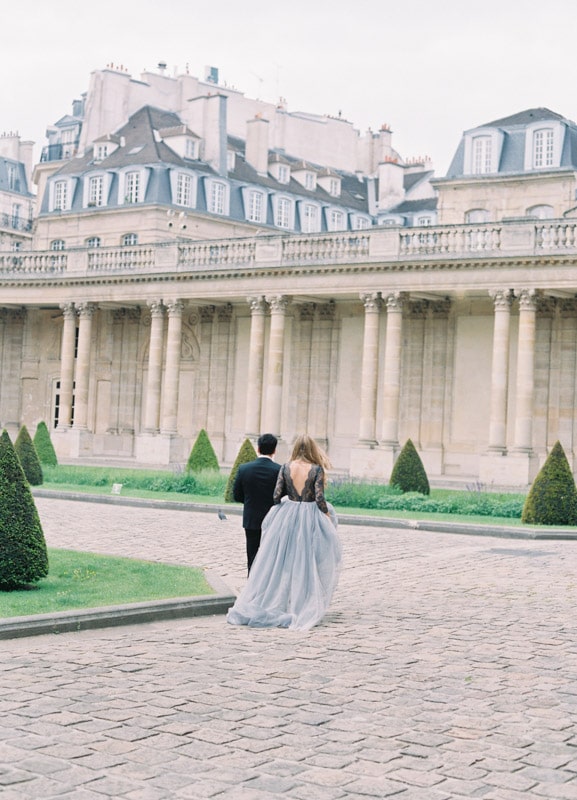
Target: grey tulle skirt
(295, 571)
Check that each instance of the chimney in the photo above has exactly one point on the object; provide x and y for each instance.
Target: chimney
(256, 152)
(391, 190)
(214, 132)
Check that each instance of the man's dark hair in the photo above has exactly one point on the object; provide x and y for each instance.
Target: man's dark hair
(267, 444)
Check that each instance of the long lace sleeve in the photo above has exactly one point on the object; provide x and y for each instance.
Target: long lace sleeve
(280, 489)
(320, 490)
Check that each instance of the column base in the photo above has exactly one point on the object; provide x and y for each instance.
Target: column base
(372, 461)
(73, 443)
(511, 470)
(160, 448)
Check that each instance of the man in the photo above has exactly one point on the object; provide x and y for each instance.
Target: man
(254, 486)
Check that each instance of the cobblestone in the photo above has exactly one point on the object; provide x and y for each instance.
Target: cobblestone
(445, 668)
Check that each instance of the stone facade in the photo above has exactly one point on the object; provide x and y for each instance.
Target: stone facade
(460, 335)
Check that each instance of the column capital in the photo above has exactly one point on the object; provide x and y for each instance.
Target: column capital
(372, 301)
(68, 310)
(527, 299)
(394, 301)
(502, 298)
(156, 308)
(278, 303)
(86, 310)
(175, 308)
(257, 304)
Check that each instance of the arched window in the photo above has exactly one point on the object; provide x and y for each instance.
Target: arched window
(94, 241)
(540, 212)
(57, 244)
(477, 215)
(129, 239)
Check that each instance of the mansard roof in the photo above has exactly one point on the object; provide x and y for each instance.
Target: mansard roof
(512, 131)
(414, 206)
(524, 118)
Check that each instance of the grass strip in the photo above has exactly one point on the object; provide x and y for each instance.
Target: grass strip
(89, 580)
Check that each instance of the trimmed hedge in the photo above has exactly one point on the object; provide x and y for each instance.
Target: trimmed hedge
(28, 457)
(23, 554)
(245, 454)
(552, 499)
(202, 455)
(44, 446)
(408, 471)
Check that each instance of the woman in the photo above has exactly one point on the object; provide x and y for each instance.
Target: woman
(296, 569)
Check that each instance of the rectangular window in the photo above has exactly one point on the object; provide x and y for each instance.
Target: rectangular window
(360, 223)
(481, 154)
(183, 189)
(543, 148)
(190, 148)
(101, 152)
(255, 206)
(334, 187)
(217, 198)
(95, 191)
(309, 218)
(16, 215)
(310, 180)
(131, 187)
(336, 220)
(60, 195)
(12, 177)
(283, 209)
(283, 174)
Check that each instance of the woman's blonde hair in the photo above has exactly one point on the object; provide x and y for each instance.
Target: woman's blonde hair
(306, 449)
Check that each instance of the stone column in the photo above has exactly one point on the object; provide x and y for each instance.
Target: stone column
(525, 371)
(392, 371)
(278, 306)
(153, 384)
(500, 371)
(370, 367)
(67, 365)
(86, 312)
(255, 365)
(172, 369)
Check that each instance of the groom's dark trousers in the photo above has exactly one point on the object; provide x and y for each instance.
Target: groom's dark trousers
(254, 486)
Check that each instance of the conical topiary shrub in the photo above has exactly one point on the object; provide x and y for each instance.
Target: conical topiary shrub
(202, 455)
(23, 555)
(44, 446)
(28, 457)
(245, 454)
(408, 472)
(552, 498)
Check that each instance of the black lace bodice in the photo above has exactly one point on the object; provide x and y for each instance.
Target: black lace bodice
(313, 490)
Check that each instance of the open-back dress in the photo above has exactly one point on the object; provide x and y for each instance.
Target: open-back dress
(296, 569)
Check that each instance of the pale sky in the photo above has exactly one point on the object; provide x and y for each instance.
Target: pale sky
(429, 69)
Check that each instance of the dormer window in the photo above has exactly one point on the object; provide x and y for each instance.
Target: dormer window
(481, 154)
(217, 194)
(132, 187)
(12, 177)
(101, 152)
(60, 194)
(543, 145)
(230, 160)
(284, 174)
(191, 149)
(184, 189)
(335, 187)
(310, 181)
(283, 210)
(543, 148)
(482, 151)
(336, 219)
(255, 205)
(95, 190)
(310, 218)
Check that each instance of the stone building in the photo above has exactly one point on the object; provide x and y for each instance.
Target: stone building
(384, 311)
(16, 199)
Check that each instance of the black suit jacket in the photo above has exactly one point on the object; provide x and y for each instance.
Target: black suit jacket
(254, 486)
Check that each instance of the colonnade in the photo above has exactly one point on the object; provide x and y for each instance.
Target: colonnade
(381, 372)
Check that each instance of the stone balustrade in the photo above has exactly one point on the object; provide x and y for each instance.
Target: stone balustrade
(529, 238)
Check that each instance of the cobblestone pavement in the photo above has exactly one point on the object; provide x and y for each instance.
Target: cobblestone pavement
(445, 668)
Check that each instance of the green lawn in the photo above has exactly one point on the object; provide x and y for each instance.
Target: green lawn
(87, 580)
